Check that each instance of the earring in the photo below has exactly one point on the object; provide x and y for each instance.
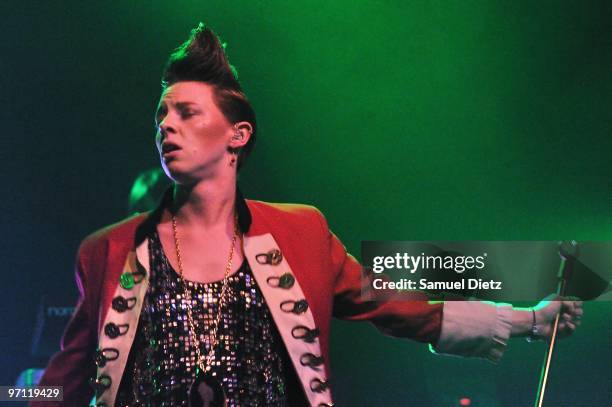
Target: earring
(232, 160)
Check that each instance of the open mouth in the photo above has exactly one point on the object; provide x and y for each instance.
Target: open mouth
(168, 147)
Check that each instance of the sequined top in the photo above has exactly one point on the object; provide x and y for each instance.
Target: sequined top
(251, 360)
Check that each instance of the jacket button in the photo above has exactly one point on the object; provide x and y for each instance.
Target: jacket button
(297, 307)
(100, 359)
(304, 333)
(275, 257)
(318, 385)
(111, 330)
(312, 335)
(119, 304)
(101, 384)
(300, 307)
(286, 281)
(106, 355)
(310, 360)
(127, 280)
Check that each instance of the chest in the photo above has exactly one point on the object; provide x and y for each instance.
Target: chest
(204, 257)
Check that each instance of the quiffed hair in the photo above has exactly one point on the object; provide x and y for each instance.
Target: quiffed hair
(202, 58)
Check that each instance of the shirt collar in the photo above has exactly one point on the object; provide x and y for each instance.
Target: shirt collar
(154, 217)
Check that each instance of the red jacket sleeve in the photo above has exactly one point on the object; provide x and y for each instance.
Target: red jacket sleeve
(409, 315)
(73, 366)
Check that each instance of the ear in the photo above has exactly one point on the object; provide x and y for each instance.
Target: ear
(241, 136)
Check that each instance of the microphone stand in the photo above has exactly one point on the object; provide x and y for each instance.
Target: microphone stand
(568, 252)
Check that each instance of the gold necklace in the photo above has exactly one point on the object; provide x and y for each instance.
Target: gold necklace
(205, 389)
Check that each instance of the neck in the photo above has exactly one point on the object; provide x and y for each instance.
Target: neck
(208, 203)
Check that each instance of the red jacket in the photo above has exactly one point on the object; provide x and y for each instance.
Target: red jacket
(325, 276)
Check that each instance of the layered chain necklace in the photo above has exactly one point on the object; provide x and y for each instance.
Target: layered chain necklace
(206, 390)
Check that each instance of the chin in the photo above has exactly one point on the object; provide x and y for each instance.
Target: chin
(174, 172)
(183, 174)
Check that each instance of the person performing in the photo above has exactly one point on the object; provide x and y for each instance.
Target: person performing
(211, 299)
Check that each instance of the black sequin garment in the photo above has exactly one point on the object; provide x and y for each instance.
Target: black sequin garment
(250, 357)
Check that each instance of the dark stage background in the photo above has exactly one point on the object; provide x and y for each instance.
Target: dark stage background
(476, 120)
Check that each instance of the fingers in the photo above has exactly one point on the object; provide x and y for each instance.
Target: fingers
(578, 312)
(572, 307)
(568, 324)
(564, 329)
(570, 312)
(567, 318)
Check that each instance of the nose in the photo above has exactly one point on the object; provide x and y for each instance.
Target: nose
(165, 127)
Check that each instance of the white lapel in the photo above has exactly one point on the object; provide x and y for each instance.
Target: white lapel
(123, 322)
(269, 267)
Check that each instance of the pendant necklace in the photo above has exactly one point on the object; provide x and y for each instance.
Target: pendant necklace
(205, 390)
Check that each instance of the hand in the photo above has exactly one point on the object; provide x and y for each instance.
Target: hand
(546, 311)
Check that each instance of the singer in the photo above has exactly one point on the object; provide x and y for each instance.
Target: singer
(212, 299)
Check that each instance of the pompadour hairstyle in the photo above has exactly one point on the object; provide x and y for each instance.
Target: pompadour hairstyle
(202, 58)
